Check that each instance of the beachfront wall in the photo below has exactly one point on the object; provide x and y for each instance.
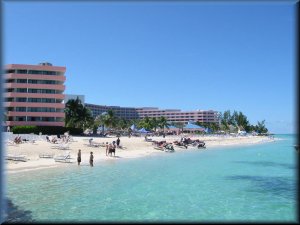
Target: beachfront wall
(34, 95)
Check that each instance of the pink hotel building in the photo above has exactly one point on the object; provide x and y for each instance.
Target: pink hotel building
(176, 115)
(34, 94)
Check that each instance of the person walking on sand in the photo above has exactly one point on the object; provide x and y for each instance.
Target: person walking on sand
(91, 159)
(79, 157)
(90, 141)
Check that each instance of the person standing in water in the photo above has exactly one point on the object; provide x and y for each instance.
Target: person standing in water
(79, 157)
(91, 159)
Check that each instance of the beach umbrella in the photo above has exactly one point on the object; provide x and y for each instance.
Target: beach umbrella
(133, 127)
(193, 127)
(143, 130)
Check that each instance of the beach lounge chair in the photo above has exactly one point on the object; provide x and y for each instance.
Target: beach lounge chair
(48, 156)
(66, 158)
(95, 144)
(16, 157)
(11, 143)
(159, 148)
(63, 146)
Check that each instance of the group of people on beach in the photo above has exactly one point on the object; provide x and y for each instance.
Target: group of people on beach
(18, 140)
(110, 148)
(59, 138)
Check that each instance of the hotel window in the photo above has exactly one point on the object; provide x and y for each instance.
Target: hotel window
(49, 72)
(43, 109)
(21, 99)
(43, 91)
(44, 100)
(10, 71)
(48, 119)
(21, 118)
(9, 81)
(31, 118)
(22, 71)
(20, 109)
(34, 72)
(21, 90)
(21, 81)
(42, 72)
(9, 99)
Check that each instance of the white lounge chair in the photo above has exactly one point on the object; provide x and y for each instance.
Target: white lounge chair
(16, 157)
(48, 156)
(66, 158)
(63, 146)
(11, 143)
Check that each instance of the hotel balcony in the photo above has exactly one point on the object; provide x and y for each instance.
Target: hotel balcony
(37, 114)
(33, 95)
(34, 123)
(59, 87)
(34, 104)
(35, 77)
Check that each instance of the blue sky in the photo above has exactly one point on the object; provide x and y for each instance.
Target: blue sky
(175, 55)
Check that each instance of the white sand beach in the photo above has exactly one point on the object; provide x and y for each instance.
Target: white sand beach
(133, 147)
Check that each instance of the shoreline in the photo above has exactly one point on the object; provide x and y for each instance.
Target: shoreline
(135, 147)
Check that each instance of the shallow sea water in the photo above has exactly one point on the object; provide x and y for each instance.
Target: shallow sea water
(249, 184)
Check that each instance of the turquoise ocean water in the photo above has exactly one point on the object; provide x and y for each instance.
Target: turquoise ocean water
(249, 183)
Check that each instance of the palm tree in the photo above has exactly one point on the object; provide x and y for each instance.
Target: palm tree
(162, 123)
(261, 128)
(145, 122)
(77, 115)
(225, 120)
(99, 121)
(109, 119)
(71, 111)
(154, 123)
(85, 118)
(122, 123)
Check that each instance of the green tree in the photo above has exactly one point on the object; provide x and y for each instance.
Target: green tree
(261, 128)
(86, 119)
(122, 123)
(225, 120)
(109, 119)
(154, 123)
(146, 123)
(241, 121)
(76, 115)
(162, 123)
